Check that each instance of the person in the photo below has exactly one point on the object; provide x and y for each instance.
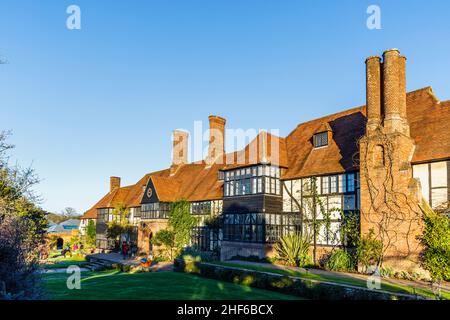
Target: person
(66, 251)
(124, 249)
(134, 249)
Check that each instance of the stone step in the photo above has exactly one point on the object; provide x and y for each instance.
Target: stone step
(95, 267)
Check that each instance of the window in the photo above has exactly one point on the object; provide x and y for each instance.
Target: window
(320, 139)
(341, 183)
(325, 185)
(333, 184)
(351, 182)
(252, 180)
(259, 227)
(157, 210)
(198, 208)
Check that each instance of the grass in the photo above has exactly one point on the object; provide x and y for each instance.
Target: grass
(114, 285)
(64, 262)
(344, 279)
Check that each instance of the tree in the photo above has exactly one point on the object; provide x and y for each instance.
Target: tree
(91, 233)
(120, 223)
(181, 222)
(69, 212)
(22, 228)
(436, 240)
(180, 226)
(166, 240)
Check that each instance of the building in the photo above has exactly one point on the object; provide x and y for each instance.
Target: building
(90, 215)
(63, 231)
(379, 161)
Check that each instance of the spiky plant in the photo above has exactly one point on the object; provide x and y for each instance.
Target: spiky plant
(294, 249)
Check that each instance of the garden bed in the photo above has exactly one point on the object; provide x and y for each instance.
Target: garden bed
(289, 284)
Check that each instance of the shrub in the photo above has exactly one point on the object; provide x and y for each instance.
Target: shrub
(340, 260)
(181, 222)
(294, 249)
(204, 256)
(91, 233)
(387, 272)
(369, 250)
(166, 240)
(436, 239)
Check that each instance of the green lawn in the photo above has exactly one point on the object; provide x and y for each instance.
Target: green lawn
(337, 279)
(154, 285)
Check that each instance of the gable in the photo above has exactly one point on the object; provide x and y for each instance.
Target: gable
(150, 194)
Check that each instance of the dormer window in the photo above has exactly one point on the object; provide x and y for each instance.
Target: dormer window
(320, 139)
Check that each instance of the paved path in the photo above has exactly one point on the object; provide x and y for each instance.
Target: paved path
(347, 275)
(59, 270)
(118, 258)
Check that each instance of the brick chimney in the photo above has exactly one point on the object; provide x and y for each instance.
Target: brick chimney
(388, 191)
(216, 148)
(394, 92)
(180, 147)
(180, 141)
(114, 183)
(386, 93)
(373, 92)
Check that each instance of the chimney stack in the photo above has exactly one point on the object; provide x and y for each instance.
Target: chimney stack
(373, 92)
(391, 87)
(216, 149)
(180, 147)
(114, 183)
(386, 92)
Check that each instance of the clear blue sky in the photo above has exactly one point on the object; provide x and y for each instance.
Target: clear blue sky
(87, 104)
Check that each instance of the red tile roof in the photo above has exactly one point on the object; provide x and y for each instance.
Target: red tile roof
(253, 153)
(427, 116)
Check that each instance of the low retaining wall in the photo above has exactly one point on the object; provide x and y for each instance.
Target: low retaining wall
(305, 288)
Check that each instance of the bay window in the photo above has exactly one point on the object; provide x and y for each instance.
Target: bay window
(252, 180)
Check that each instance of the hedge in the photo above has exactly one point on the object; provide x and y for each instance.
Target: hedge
(305, 288)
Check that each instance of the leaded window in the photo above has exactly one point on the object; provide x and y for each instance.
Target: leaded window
(259, 227)
(252, 180)
(200, 208)
(156, 210)
(320, 139)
